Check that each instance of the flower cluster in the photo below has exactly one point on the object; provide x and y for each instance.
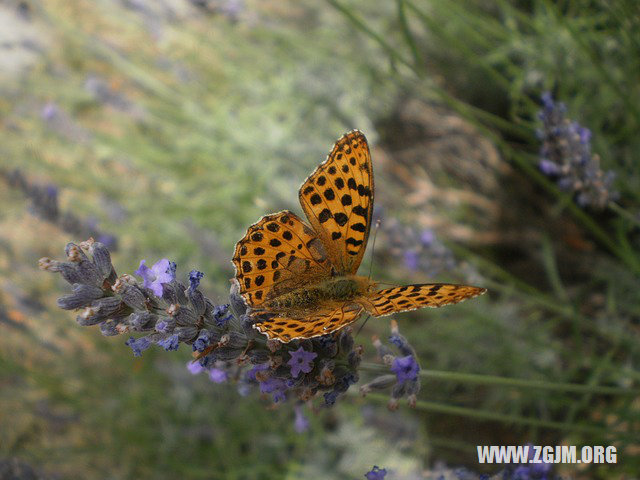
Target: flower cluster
(45, 205)
(405, 380)
(566, 156)
(224, 343)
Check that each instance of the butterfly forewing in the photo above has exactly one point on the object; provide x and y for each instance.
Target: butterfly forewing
(338, 201)
(278, 254)
(411, 297)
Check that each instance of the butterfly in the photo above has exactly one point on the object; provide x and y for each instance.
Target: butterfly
(299, 281)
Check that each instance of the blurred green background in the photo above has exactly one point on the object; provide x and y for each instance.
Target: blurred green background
(172, 125)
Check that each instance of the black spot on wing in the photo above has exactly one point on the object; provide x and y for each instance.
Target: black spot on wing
(324, 215)
(329, 194)
(341, 219)
(360, 210)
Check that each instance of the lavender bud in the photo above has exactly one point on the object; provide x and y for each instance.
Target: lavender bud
(74, 253)
(402, 344)
(379, 383)
(102, 259)
(133, 297)
(185, 316)
(186, 333)
(89, 316)
(109, 328)
(141, 321)
(258, 356)
(228, 353)
(346, 340)
(197, 301)
(237, 303)
(107, 307)
(70, 272)
(82, 296)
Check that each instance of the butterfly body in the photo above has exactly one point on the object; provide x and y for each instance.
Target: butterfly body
(344, 288)
(299, 280)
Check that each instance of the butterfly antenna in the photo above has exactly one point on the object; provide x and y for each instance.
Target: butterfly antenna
(363, 324)
(373, 248)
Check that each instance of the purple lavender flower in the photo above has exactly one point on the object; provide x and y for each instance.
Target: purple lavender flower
(251, 374)
(427, 237)
(195, 367)
(331, 397)
(155, 276)
(412, 259)
(138, 345)
(566, 155)
(202, 342)
(49, 111)
(170, 343)
(222, 315)
(194, 279)
(301, 361)
(376, 473)
(405, 368)
(218, 375)
(301, 423)
(162, 326)
(275, 386)
(548, 167)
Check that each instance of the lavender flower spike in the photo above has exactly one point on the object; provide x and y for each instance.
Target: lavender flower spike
(566, 156)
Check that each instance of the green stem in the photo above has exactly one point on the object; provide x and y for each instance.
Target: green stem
(498, 417)
(613, 206)
(512, 382)
(551, 267)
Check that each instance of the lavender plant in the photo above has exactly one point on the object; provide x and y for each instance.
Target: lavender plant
(566, 156)
(45, 205)
(225, 345)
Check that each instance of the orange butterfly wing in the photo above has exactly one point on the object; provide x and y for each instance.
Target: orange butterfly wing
(278, 254)
(411, 297)
(326, 319)
(338, 201)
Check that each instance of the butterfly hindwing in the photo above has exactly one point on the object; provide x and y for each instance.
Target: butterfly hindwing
(338, 201)
(326, 319)
(277, 254)
(411, 297)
